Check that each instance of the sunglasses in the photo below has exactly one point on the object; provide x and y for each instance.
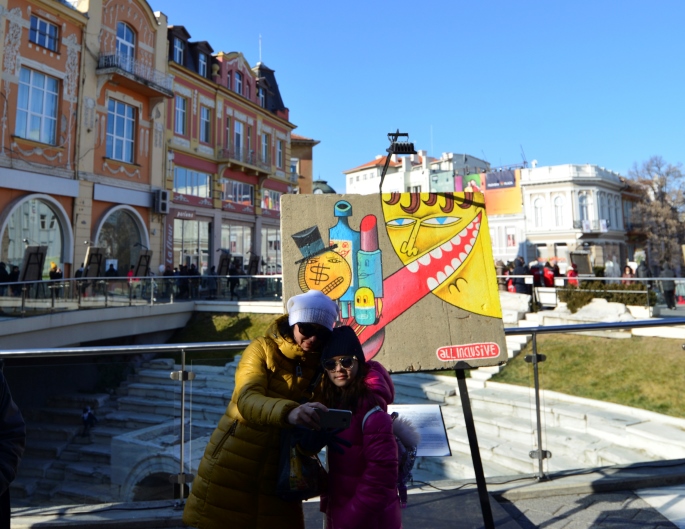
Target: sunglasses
(311, 329)
(346, 363)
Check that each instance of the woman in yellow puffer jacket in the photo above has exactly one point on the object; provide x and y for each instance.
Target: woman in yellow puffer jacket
(236, 482)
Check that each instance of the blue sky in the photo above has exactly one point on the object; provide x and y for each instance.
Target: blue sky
(582, 81)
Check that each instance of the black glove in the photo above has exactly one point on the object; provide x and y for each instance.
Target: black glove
(312, 441)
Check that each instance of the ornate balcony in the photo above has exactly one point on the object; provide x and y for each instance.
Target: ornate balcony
(142, 78)
(245, 160)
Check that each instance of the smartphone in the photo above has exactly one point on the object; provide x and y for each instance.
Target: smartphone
(334, 419)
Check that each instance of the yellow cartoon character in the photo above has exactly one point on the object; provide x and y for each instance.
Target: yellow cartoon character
(444, 241)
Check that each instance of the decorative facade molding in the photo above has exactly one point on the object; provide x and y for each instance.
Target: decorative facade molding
(205, 101)
(183, 90)
(121, 169)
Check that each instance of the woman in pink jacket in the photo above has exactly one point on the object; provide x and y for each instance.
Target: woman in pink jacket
(362, 483)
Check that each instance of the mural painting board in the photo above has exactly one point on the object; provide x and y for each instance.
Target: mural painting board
(93, 263)
(33, 263)
(412, 273)
(143, 265)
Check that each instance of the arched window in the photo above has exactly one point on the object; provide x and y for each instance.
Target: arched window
(583, 207)
(120, 237)
(613, 212)
(559, 211)
(33, 223)
(538, 206)
(126, 46)
(603, 206)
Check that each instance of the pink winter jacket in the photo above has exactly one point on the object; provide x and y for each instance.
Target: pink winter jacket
(362, 482)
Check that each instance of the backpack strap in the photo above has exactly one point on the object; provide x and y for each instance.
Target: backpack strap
(368, 413)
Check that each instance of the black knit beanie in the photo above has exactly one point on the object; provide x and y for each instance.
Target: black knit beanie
(343, 342)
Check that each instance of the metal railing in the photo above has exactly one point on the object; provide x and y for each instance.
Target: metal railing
(174, 439)
(138, 69)
(21, 299)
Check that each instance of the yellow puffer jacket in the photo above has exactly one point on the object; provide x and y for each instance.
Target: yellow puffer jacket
(236, 481)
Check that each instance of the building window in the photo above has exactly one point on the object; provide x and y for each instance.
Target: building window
(279, 154)
(238, 138)
(228, 79)
(179, 50)
(248, 91)
(43, 33)
(559, 211)
(126, 46)
(120, 126)
(202, 61)
(602, 206)
(261, 94)
(205, 125)
(271, 199)
(239, 192)
(538, 206)
(266, 147)
(582, 203)
(293, 165)
(37, 106)
(180, 118)
(189, 182)
(239, 83)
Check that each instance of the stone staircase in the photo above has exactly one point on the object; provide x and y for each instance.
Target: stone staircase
(61, 467)
(580, 433)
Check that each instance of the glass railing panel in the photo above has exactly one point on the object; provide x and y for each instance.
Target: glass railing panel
(112, 458)
(208, 396)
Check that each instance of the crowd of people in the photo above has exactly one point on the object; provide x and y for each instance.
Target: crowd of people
(543, 275)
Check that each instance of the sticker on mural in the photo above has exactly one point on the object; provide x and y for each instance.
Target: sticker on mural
(412, 273)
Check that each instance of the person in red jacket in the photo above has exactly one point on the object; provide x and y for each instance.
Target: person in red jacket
(362, 480)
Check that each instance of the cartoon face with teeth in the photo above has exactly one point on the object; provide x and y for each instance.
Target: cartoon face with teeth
(444, 241)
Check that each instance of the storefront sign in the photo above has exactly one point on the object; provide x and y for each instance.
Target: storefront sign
(468, 352)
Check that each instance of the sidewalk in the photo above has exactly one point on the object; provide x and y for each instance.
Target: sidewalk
(610, 497)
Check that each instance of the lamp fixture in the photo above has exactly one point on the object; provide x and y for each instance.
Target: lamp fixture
(396, 147)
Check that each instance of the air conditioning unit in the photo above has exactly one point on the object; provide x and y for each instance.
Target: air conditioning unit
(161, 200)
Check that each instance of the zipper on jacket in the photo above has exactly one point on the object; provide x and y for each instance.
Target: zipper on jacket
(225, 437)
(298, 370)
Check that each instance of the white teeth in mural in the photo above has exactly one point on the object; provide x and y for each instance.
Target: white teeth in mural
(437, 253)
(442, 251)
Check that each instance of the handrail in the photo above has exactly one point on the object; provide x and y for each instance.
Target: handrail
(124, 349)
(520, 331)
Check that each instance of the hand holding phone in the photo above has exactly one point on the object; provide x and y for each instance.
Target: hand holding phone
(334, 419)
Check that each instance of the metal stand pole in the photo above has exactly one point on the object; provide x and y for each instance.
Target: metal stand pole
(538, 454)
(181, 479)
(475, 453)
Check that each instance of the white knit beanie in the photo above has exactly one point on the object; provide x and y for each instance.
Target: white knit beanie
(312, 307)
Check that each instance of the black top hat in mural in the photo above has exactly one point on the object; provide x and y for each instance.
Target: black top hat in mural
(310, 243)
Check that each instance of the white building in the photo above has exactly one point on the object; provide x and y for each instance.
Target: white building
(413, 173)
(574, 208)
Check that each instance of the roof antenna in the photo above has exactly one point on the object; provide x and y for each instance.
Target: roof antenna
(260, 47)
(523, 155)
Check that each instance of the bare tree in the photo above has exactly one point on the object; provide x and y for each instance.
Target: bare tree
(661, 211)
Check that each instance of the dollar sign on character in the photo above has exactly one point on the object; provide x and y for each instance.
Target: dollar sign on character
(319, 274)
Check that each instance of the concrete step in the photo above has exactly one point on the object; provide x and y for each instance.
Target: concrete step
(171, 409)
(197, 395)
(87, 473)
(50, 431)
(95, 453)
(34, 467)
(23, 487)
(74, 493)
(48, 449)
(458, 466)
(80, 401)
(423, 387)
(132, 420)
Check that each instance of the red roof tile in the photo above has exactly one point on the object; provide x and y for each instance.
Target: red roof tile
(378, 162)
